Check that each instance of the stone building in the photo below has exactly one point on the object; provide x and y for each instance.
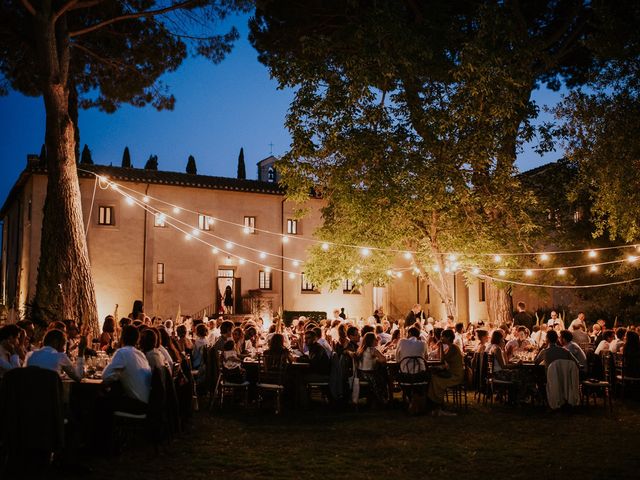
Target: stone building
(138, 254)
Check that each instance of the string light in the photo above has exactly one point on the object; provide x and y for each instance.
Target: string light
(358, 271)
(146, 199)
(296, 263)
(263, 255)
(502, 273)
(475, 271)
(130, 201)
(452, 257)
(593, 254)
(497, 257)
(210, 220)
(365, 252)
(285, 239)
(632, 258)
(228, 245)
(561, 271)
(399, 274)
(544, 257)
(436, 268)
(593, 268)
(241, 261)
(215, 250)
(528, 272)
(267, 269)
(292, 275)
(187, 236)
(246, 230)
(195, 232)
(408, 255)
(325, 246)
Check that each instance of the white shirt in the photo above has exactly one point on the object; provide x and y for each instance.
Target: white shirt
(538, 337)
(603, 346)
(410, 347)
(458, 341)
(615, 345)
(384, 338)
(155, 358)
(130, 366)
(51, 359)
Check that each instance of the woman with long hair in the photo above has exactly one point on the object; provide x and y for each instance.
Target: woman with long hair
(370, 364)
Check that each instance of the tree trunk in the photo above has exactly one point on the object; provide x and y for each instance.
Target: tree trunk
(499, 303)
(64, 289)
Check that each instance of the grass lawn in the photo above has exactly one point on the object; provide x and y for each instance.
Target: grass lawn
(486, 442)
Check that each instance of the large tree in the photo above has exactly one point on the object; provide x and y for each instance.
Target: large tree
(84, 53)
(412, 114)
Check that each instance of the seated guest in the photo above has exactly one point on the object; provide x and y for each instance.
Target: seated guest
(317, 358)
(52, 357)
(617, 342)
(383, 336)
(580, 335)
(566, 340)
(169, 345)
(483, 338)
(352, 342)
(73, 339)
(369, 360)
(232, 363)
(434, 346)
(226, 327)
(184, 343)
(199, 346)
(496, 350)
(631, 355)
(130, 367)
(107, 336)
(607, 338)
(277, 352)
(237, 335)
(519, 344)
(459, 336)
(411, 346)
(10, 348)
(392, 344)
(553, 351)
(452, 373)
(323, 341)
(539, 335)
(148, 344)
(30, 333)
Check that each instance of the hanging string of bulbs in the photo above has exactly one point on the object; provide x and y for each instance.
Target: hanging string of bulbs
(134, 197)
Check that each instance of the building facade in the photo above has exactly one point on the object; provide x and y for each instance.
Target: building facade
(174, 259)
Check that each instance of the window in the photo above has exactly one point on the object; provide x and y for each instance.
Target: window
(204, 222)
(577, 215)
(271, 175)
(160, 273)
(482, 291)
(250, 223)
(106, 216)
(29, 211)
(347, 286)
(307, 286)
(292, 227)
(226, 273)
(264, 280)
(159, 220)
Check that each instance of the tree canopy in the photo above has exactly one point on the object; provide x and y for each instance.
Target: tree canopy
(126, 158)
(191, 165)
(86, 158)
(413, 114)
(242, 172)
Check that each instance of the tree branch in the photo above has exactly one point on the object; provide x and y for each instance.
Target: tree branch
(29, 7)
(74, 5)
(132, 16)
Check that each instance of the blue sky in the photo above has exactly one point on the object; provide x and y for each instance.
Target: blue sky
(219, 108)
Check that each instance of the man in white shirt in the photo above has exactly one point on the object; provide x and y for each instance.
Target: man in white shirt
(555, 320)
(458, 339)
(52, 357)
(411, 346)
(605, 343)
(566, 340)
(130, 367)
(539, 335)
(618, 342)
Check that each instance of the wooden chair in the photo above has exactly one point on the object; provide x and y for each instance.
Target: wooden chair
(594, 388)
(457, 393)
(496, 386)
(225, 387)
(413, 375)
(622, 379)
(271, 379)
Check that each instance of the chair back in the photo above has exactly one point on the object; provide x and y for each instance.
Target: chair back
(563, 383)
(273, 368)
(413, 365)
(31, 409)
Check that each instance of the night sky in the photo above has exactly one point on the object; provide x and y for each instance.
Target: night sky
(219, 108)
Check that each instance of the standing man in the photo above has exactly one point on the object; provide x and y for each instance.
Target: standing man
(412, 316)
(522, 317)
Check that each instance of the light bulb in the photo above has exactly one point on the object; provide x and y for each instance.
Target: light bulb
(195, 232)
(436, 268)
(214, 250)
(292, 276)
(145, 199)
(528, 273)
(296, 263)
(263, 255)
(593, 254)
(246, 230)
(130, 201)
(475, 271)
(593, 268)
(285, 239)
(632, 258)
(561, 271)
(325, 246)
(211, 221)
(176, 210)
(358, 271)
(497, 258)
(228, 245)
(544, 257)
(365, 252)
(267, 269)
(407, 255)
(187, 236)
(452, 257)
(389, 272)
(398, 274)
(502, 273)
(241, 261)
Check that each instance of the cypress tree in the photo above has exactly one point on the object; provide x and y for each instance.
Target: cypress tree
(126, 158)
(152, 163)
(191, 166)
(86, 159)
(43, 155)
(242, 172)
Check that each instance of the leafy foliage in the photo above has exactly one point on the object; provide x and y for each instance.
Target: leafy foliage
(86, 159)
(152, 163)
